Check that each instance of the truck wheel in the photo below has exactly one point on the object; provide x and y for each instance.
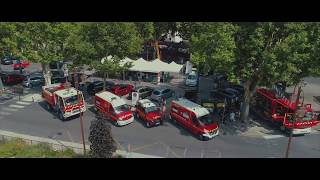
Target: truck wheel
(200, 137)
(48, 107)
(61, 116)
(148, 124)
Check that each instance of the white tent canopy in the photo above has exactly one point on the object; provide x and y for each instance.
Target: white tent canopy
(154, 66)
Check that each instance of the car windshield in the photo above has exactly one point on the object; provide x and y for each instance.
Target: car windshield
(156, 92)
(151, 109)
(121, 109)
(206, 120)
(71, 100)
(192, 77)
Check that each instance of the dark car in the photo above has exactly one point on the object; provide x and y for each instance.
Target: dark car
(161, 93)
(192, 95)
(58, 76)
(11, 78)
(143, 91)
(97, 86)
(7, 60)
(122, 89)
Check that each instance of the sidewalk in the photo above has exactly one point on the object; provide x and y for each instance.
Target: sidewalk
(59, 145)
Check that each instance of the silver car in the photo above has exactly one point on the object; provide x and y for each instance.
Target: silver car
(33, 80)
(158, 94)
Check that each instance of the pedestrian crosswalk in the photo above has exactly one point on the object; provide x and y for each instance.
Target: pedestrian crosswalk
(16, 105)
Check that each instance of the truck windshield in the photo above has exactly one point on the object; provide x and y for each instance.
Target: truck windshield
(151, 109)
(71, 100)
(206, 120)
(192, 77)
(121, 109)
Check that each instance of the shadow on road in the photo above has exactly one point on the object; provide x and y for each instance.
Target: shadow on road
(43, 105)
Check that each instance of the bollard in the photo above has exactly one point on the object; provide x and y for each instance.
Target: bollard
(185, 152)
(202, 153)
(32, 99)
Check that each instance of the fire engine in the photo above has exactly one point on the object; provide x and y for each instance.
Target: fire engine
(113, 107)
(148, 112)
(194, 117)
(64, 101)
(290, 114)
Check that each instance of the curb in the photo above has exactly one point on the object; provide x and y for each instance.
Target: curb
(62, 145)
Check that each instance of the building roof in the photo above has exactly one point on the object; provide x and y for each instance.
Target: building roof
(112, 98)
(191, 106)
(67, 92)
(145, 103)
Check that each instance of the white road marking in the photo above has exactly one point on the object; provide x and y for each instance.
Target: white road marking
(4, 113)
(23, 103)
(273, 136)
(36, 97)
(9, 109)
(16, 106)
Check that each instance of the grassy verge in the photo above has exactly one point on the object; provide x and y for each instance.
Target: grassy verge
(19, 149)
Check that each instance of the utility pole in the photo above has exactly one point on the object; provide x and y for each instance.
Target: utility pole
(294, 117)
(81, 113)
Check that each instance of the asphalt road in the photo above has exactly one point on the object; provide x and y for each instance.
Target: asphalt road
(168, 140)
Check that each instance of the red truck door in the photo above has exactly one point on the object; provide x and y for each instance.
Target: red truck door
(185, 119)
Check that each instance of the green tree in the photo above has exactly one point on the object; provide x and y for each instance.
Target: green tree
(258, 53)
(116, 39)
(43, 42)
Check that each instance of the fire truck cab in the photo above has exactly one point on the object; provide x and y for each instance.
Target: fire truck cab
(113, 107)
(194, 117)
(64, 101)
(288, 115)
(148, 112)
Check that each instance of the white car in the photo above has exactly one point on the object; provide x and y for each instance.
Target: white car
(191, 80)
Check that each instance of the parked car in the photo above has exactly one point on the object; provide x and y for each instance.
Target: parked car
(33, 80)
(191, 79)
(7, 60)
(57, 76)
(148, 112)
(143, 91)
(22, 64)
(97, 86)
(11, 78)
(158, 94)
(194, 118)
(122, 89)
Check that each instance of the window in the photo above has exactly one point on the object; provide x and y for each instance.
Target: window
(151, 109)
(121, 109)
(185, 115)
(71, 100)
(174, 109)
(166, 91)
(156, 92)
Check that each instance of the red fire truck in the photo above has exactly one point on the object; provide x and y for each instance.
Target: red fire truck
(64, 101)
(113, 107)
(148, 112)
(287, 113)
(194, 117)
